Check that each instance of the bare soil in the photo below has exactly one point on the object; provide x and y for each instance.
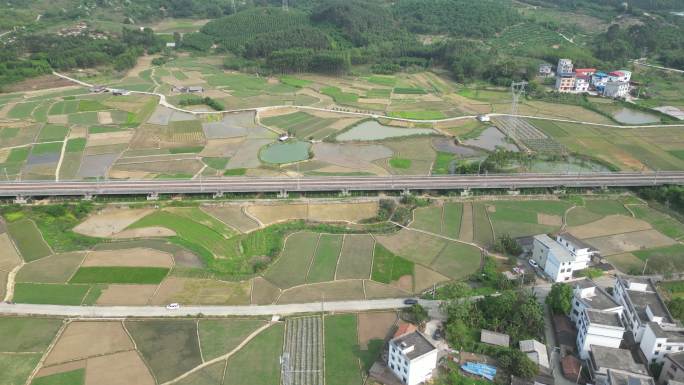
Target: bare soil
(110, 221)
(61, 368)
(202, 292)
(375, 326)
(612, 224)
(145, 232)
(136, 257)
(425, 278)
(126, 295)
(125, 368)
(549, 220)
(9, 258)
(87, 339)
(621, 243)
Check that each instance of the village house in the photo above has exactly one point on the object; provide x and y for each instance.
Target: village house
(602, 359)
(560, 257)
(641, 304)
(657, 341)
(673, 368)
(412, 358)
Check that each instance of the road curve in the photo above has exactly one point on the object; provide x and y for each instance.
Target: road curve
(359, 183)
(217, 311)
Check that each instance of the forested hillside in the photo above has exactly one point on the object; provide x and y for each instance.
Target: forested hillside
(491, 40)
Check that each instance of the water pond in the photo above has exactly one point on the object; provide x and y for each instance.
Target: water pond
(629, 116)
(490, 139)
(373, 130)
(287, 152)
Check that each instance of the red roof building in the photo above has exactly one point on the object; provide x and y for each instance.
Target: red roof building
(585, 71)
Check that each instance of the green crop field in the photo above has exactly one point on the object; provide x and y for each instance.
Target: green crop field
(580, 216)
(84, 118)
(418, 115)
(23, 334)
(76, 145)
(119, 274)
(52, 132)
(341, 364)
(388, 267)
(170, 347)
(22, 110)
(339, 96)
(662, 260)
(72, 377)
(90, 105)
(606, 207)
(258, 362)
(18, 155)
(219, 337)
(325, 259)
(46, 148)
(53, 269)
(356, 258)
(660, 221)
(482, 230)
(64, 107)
(428, 219)
(28, 239)
(301, 124)
(400, 163)
(16, 368)
(457, 260)
(453, 212)
(50, 294)
(388, 81)
(290, 269)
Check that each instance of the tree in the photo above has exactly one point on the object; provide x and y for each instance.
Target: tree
(676, 307)
(506, 244)
(417, 313)
(560, 298)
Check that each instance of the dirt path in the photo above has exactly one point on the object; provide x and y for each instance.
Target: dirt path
(221, 358)
(466, 231)
(61, 159)
(9, 292)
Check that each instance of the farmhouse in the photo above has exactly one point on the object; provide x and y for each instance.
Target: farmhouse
(560, 257)
(545, 70)
(602, 359)
(412, 358)
(535, 351)
(673, 368)
(621, 377)
(659, 340)
(613, 84)
(596, 316)
(642, 304)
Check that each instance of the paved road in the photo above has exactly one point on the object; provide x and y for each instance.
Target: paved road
(370, 183)
(160, 311)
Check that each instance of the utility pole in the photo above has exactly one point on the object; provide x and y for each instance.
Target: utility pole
(285, 5)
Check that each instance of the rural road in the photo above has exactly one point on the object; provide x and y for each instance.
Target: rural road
(184, 311)
(337, 183)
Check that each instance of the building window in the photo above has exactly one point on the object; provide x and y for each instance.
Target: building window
(656, 352)
(681, 348)
(392, 366)
(659, 345)
(668, 348)
(404, 378)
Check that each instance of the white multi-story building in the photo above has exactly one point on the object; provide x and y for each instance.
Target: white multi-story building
(657, 341)
(620, 76)
(602, 359)
(673, 368)
(564, 66)
(561, 256)
(622, 377)
(596, 316)
(582, 83)
(616, 89)
(641, 304)
(412, 358)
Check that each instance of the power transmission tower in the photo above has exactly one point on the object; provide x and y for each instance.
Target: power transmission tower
(232, 3)
(517, 89)
(285, 5)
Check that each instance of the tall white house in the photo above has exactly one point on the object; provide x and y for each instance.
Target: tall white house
(561, 256)
(564, 66)
(596, 316)
(642, 304)
(657, 341)
(616, 89)
(412, 358)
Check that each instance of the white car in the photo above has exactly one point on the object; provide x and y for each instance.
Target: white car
(173, 306)
(533, 263)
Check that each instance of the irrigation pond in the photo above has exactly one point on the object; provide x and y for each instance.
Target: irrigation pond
(285, 152)
(373, 130)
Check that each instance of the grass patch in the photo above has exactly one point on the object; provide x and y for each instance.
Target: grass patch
(84, 118)
(606, 207)
(73, 377)
(378, 93)
(216, 163)
(325, 259)
(20, 334)
(22, 110)
(170, 347)
(341, 364)
(235, 172)
(18, 155)
(28, 239)
(388, 81)
(388, 267)
(119, 274)
(482, 230)
(356, 258)
(410, 91)
(104, 129)
(400, 163)
(258, 363)
(294, 82)
(90, 105)
(52, 132)
(339, 96)
(49, 294)
(457, 260)
(678, 153)
(219, 337)
(76, 145)
(186, 150)
(418, 115)
(428, 219)
(442, 164)
(15, 369)
(46, 148)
